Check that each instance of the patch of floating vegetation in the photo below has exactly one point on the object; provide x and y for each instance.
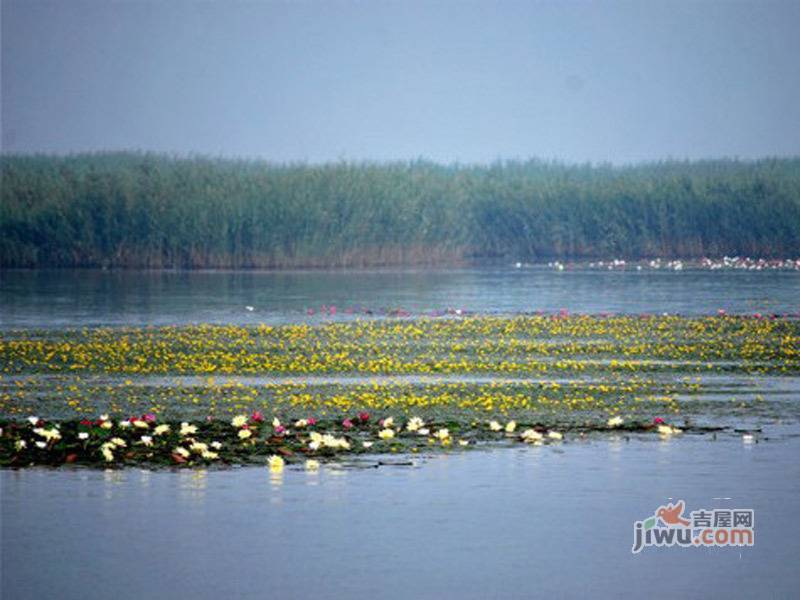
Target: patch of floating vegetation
(476, 344)
(243, 439)
(565, 375)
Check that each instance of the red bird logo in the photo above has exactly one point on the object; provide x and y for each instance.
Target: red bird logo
(671, 514)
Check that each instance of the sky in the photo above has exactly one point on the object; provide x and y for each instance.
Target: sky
(468, 82)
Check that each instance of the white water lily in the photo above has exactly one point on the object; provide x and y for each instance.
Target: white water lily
(442, 435)
(187, 429)
(495, 426)
(105, 450)
(238, 421)
(124, 424)
(216, 445)
(181, 451)
(106, 425)
(48, 434)
(21, 444)
(300, 423)
(208, 455)
(424, 431)
(314, 445)
(615, 421)
(388, 422)
(330, 441)
(161, 429)
(555, 435)
(367, 444)
(463, 443)
(415, 424)
(386, 434)
(511, 426)
(83, 435)
(531, 436)
(198, 447)
(244, 434)
(276, 422)
(146, 440)
(33, 420)
(312, 465)
(41, 445)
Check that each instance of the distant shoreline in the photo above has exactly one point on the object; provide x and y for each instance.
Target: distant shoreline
(133, 210)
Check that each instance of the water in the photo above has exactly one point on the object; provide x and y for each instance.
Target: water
(509, 523)
(513, 523)
(92, 297)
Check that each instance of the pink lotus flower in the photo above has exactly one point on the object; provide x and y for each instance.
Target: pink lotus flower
(311, 421)
(347, 423)
(149, 418)
(658, 421)
(209, 419)
(280, 429)
(364, 416)
(257, 416)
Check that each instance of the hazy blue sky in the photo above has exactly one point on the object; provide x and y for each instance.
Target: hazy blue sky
(466, 81)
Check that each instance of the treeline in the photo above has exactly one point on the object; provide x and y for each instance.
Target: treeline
(145, 210)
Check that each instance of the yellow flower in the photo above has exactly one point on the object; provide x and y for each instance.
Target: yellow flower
(187, 429)
(275, 463)
(388, 422)
(495, 426)
(276, 422)
(667, 430)
(511, 426)
(463, 443)
(118, 442)
(244, 434)
(615, 421)
(442, 435)
(106, 424)
(161, 429)
(300, 423)
(386, 434)
(208, 455)
(555, 435)
(238, 421)
(181, 451)
(141, 424)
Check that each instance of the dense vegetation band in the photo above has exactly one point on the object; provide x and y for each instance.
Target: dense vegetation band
(157, 211)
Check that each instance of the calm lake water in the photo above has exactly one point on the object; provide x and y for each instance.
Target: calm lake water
(505, 523)
(92, 297)
(511, 523)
